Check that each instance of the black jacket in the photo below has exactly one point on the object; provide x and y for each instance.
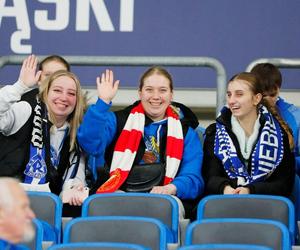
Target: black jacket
(280, 182)
(15, 150)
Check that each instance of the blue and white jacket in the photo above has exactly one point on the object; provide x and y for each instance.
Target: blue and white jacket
(291, 114)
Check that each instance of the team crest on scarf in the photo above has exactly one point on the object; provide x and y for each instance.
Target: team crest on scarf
(266, 156)
(36, 167)
(128, 144)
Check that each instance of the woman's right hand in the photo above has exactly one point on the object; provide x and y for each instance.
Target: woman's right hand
(106, 87)
(28, 74)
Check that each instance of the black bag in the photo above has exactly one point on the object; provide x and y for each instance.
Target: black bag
(142, 178)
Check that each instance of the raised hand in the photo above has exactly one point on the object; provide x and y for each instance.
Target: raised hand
(106, 87)
(28, 74)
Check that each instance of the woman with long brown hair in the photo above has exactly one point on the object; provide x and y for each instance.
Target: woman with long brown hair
(249, 148)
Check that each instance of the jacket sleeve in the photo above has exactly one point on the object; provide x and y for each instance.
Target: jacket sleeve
(281, 181)
(213, 171)
(13, 112)
(98, 129)
(189, 182)
(297, 148)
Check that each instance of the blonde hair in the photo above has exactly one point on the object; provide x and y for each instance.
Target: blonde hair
(75, 117)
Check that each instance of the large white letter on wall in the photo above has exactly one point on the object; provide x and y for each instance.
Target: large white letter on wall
(61, 20)
(19, 11)
(100, 11)
(126, 15)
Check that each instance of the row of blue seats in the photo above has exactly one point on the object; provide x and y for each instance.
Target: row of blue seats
(165, 209)
(128, 246)
(152, 233)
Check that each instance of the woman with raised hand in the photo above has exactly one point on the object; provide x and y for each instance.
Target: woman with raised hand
(153, 138)
(249, 148)
(38, 135)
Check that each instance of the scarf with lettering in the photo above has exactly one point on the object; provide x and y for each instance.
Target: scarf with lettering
(128, 144)
(36, 168)
(266, 156)
(45, 164)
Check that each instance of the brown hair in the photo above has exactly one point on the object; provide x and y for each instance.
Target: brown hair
(55, 58)
(156, 70)
(75, 117)
(253, 82)
(269, 77)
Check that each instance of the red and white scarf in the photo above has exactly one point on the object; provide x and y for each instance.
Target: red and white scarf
(128, 144)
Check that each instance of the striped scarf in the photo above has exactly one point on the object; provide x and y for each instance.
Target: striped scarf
(266, 156)
(128, 144)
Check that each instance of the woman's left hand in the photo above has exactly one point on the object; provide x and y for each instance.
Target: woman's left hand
(167, 189)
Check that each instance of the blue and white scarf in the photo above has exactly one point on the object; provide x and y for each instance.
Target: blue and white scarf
(36, 169)
(266, 156)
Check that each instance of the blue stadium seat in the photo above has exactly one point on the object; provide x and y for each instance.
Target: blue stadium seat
(270, 207)
(158, 206)
(268, 233)
(99, 246)
(143, 231)
(225, 247)
(48, 209)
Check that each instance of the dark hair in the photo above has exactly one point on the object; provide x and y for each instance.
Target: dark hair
(54, 58)
(256, 87)
(156, 70)
(269, 76)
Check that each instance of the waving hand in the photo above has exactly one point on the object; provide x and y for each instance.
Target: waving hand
(28, 74)
(106, 87)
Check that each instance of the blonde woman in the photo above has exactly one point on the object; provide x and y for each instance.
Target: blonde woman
(38, 135)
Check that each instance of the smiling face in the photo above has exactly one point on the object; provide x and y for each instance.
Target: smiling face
(241, 100)
(61, 99)
(156, 95)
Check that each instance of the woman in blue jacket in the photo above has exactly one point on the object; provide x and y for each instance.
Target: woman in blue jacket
(152, 131)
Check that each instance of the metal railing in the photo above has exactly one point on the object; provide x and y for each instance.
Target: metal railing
(279, 62)
(143, 61)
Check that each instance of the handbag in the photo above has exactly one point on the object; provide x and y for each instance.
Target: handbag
(143, 177)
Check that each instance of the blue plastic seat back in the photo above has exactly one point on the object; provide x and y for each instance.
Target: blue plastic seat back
(270, 207)
(98, 246)
(143, 231)
(225, 247)
(268, 233)
(158, 206)
(48, 209)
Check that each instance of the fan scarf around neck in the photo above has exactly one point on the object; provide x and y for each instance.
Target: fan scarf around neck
(36, 169)
(128, 143)
(266, 156)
